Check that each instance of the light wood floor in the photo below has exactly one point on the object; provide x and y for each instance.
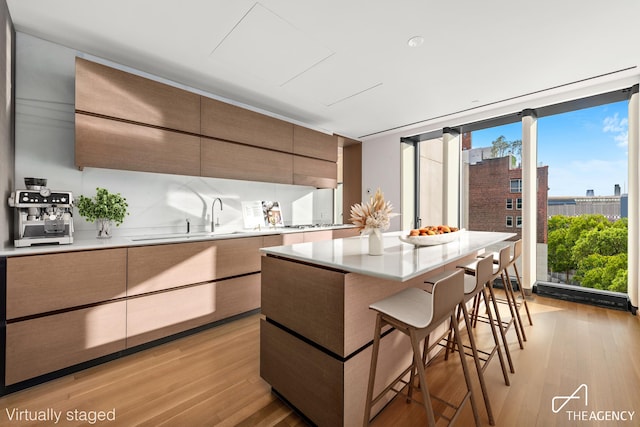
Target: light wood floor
(212, 378)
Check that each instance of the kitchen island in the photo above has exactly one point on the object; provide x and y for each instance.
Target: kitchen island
(315, 340)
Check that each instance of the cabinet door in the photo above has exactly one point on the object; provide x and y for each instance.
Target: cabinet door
(112, 144)
(162, 314)
(236, 161)
(231, 123)
(311, 143)
(42, 283)
(154, 268)
(317, 236)
(114, 93)
(46, 344)
(314, 172)
(345, 232)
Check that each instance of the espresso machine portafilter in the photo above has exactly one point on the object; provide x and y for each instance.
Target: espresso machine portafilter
(43, 216)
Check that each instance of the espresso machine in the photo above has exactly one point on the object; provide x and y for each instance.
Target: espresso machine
(43, 216)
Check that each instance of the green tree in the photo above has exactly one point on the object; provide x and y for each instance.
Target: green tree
(499, 147)
(607, 242)
(591, 245)
(559, 249)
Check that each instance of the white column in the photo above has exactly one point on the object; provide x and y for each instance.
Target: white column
(451, 148)
(529, 197)
(633, 285)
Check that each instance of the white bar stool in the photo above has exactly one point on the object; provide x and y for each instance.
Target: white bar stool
(474, 288)
(503, 325)
(503, 262)
(516, 253)
(416, 313)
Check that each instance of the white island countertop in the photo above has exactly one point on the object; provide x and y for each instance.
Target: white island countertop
(400, 261)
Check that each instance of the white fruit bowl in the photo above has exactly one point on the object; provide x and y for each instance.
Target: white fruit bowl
(436, 239)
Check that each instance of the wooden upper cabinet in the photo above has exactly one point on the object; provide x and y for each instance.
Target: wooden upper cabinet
(229, 160)
(231, 123)
(314, 172)
(112, 144)
(114, 93)
(311, 143)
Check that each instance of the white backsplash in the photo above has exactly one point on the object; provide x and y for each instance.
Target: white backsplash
(45, 76)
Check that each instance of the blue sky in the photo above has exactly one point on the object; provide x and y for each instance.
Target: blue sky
(584, 149)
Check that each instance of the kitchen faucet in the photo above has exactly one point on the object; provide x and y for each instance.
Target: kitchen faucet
(214, 223)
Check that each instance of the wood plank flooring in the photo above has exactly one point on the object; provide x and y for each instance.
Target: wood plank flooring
(212, 378)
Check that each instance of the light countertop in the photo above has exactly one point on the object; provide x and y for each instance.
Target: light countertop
(87, 240)
(400, 261)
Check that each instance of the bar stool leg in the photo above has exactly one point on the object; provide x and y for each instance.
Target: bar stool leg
(476, 359)
(495, 337)
(417, 361)
(524, 300)
(372, 370)
(503, 333)
(511, 300)
(465, 368)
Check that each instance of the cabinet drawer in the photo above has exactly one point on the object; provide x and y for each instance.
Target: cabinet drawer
(42, 283)
(46, 344)
(159, 315)
(317, 236)
(314, 172)
(311, 143)
(236, 161)
(112, 144)
(115, 93)
(154, 268)
(345, 232)
(232, 123)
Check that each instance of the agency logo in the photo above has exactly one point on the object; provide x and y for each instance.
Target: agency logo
(559, 402)
(577, 403)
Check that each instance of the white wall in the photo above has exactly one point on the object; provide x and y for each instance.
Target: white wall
(381, 158)
(45, 92)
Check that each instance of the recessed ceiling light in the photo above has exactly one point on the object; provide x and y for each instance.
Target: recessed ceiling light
(415, 41)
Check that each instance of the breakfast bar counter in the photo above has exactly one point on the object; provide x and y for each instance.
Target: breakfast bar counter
(315, 340)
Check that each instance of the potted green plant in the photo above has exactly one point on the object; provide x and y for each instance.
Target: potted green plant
(105, 208)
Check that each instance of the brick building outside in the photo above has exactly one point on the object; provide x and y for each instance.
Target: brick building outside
(495, 196)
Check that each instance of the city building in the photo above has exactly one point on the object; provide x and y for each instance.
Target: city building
(613, 207)
(495, 195)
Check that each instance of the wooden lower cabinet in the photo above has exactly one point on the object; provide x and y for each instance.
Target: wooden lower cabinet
(342, 233)
(315, 343)
(38, 346)
(159, 315)
(89, 277)
(328, 390)
(160, 267)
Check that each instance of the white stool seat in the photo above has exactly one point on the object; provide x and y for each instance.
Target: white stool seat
(412, 306)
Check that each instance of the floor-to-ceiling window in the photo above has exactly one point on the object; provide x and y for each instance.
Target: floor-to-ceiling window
(586, 150)
(580, 166)
(422, 180)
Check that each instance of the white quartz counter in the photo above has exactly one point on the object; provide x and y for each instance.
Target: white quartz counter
(88, 241)
(400, 261)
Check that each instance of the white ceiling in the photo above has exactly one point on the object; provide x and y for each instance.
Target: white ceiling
(344, 66)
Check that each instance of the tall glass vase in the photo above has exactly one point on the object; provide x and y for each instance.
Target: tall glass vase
(104, 226)
(376, 246)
